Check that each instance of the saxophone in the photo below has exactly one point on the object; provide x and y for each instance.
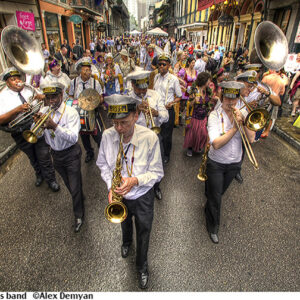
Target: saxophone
(202, 170)
(116, 212)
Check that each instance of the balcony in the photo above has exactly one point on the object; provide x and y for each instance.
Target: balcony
(121, 8)
(87, 6)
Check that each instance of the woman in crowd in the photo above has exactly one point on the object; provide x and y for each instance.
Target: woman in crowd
(186, 76)
(228, 61)
(217, 78)
(199, 107)
(110, 76)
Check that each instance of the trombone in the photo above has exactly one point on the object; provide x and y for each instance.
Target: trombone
(31, 136)
(246, 142)
(154, 128)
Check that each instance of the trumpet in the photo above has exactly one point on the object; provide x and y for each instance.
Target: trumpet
(246, 142)
(154, 128)
(31, 136)
(202, 170)
(25, 116)
(116, 212)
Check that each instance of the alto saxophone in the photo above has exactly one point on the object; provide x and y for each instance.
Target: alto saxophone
(202, 170)
(116, 212)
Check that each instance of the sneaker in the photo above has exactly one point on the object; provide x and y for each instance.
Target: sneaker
(189, 153)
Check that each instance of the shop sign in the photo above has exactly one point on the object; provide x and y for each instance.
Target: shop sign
(25, 20)
(101, 27)
(297, 38)
(76, 19)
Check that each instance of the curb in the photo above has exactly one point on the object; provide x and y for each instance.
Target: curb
(287, 137)
(7, 153)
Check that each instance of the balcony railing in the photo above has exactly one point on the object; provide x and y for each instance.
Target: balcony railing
(87, 6)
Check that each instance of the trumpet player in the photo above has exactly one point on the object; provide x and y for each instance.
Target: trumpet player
(148, 99)
(61, 134)
(15, 100)
(141, 169)
(225, 154)
(168, 87)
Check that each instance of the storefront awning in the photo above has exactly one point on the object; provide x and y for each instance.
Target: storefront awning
(192, 25)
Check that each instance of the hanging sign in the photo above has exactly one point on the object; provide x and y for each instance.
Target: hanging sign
(76, 19)
(25, 20)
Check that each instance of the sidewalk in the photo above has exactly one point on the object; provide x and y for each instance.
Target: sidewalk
(285, 129)
(7, 146)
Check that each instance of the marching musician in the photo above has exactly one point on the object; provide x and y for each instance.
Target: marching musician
(225, 154)
(133, 54)
(14, 100)
(61, 133)
(140, 82)
(168, 87)
(126, 64)
(90, 123)
(141, 169)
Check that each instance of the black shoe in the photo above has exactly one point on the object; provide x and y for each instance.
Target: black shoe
(158, 193)
(89, 157)
(214, 238)
(166, 160)
(78, 224)
(143, 280)
(125, 251)
(239, 178)
(39, 180)
(54, 186)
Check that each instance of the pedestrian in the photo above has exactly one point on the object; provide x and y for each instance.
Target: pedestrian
(46, 53)
(200, 63)
(92, 48)
(65, 44)
(78, 50)
(197, 112)
(62, 58)
(222, 52)
(140, 152)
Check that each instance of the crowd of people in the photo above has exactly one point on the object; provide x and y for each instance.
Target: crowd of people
(144, 88)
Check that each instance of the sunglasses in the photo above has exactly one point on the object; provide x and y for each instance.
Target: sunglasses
(162, 64)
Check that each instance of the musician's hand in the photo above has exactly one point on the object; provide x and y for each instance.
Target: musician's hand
(50, 124)
(262, 90)
(127, 185)
(253, 104)
(36, 117)
(239, 117)
(169, 105)
(154, 112)
(22, 108)
(110, 197)
(39, 97)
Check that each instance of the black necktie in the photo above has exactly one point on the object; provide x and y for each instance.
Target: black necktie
(21, 98)
(83, 85)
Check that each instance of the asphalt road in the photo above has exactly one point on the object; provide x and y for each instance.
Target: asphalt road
(259, 233)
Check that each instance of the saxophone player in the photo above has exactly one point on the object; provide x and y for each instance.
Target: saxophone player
(141, 169)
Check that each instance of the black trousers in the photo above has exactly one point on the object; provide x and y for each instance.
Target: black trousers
(87, 142)
(167, 131)
(39, 156)
(156, 185)
(219, 177)
(68, 164)
(142, 210)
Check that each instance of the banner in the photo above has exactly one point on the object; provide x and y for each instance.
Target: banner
(25, 20)
(203, 4)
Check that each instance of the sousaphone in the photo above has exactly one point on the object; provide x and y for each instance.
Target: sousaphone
(22, 50)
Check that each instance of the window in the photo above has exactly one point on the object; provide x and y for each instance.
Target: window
(282, 18)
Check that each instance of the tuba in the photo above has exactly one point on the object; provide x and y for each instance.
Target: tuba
(271, 46)
(116, 212)
(22, 50)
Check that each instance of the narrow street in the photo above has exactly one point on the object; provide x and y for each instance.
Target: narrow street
(259, 238)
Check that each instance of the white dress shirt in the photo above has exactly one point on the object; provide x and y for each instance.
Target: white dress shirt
(9, 99)
(167, 86)
(89, 84)
(147, 165)
(67, 130)
(200, 65)
(156, 103)
(232, 151)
